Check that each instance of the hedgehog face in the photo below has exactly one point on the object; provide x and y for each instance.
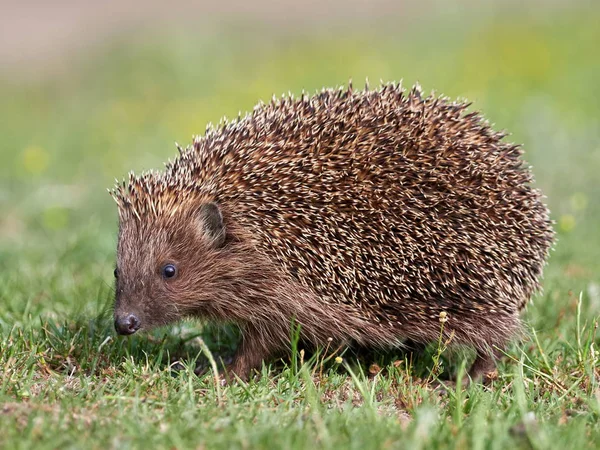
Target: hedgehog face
(164, 266)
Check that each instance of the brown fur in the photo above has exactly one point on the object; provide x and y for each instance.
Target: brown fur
(360, 215)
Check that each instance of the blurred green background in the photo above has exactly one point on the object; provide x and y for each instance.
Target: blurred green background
(96, 94)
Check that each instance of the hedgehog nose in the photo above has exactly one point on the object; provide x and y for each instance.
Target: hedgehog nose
(128, 324)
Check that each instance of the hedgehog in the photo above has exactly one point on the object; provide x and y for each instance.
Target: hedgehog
(364, 217)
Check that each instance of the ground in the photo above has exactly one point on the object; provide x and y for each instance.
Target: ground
(70, 126)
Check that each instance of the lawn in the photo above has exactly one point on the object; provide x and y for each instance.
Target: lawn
(68, 381)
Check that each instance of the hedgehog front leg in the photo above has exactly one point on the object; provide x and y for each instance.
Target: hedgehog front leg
(256, 347)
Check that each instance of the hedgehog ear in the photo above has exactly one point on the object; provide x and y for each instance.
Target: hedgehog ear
(211, 222)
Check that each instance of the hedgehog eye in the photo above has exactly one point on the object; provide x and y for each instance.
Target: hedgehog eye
(169, 271)
(116, 273)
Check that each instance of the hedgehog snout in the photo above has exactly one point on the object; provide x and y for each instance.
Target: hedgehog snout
(127, 324)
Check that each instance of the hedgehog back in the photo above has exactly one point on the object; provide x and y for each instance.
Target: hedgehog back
(396, 205)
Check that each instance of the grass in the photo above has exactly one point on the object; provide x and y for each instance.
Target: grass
(68, 381)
